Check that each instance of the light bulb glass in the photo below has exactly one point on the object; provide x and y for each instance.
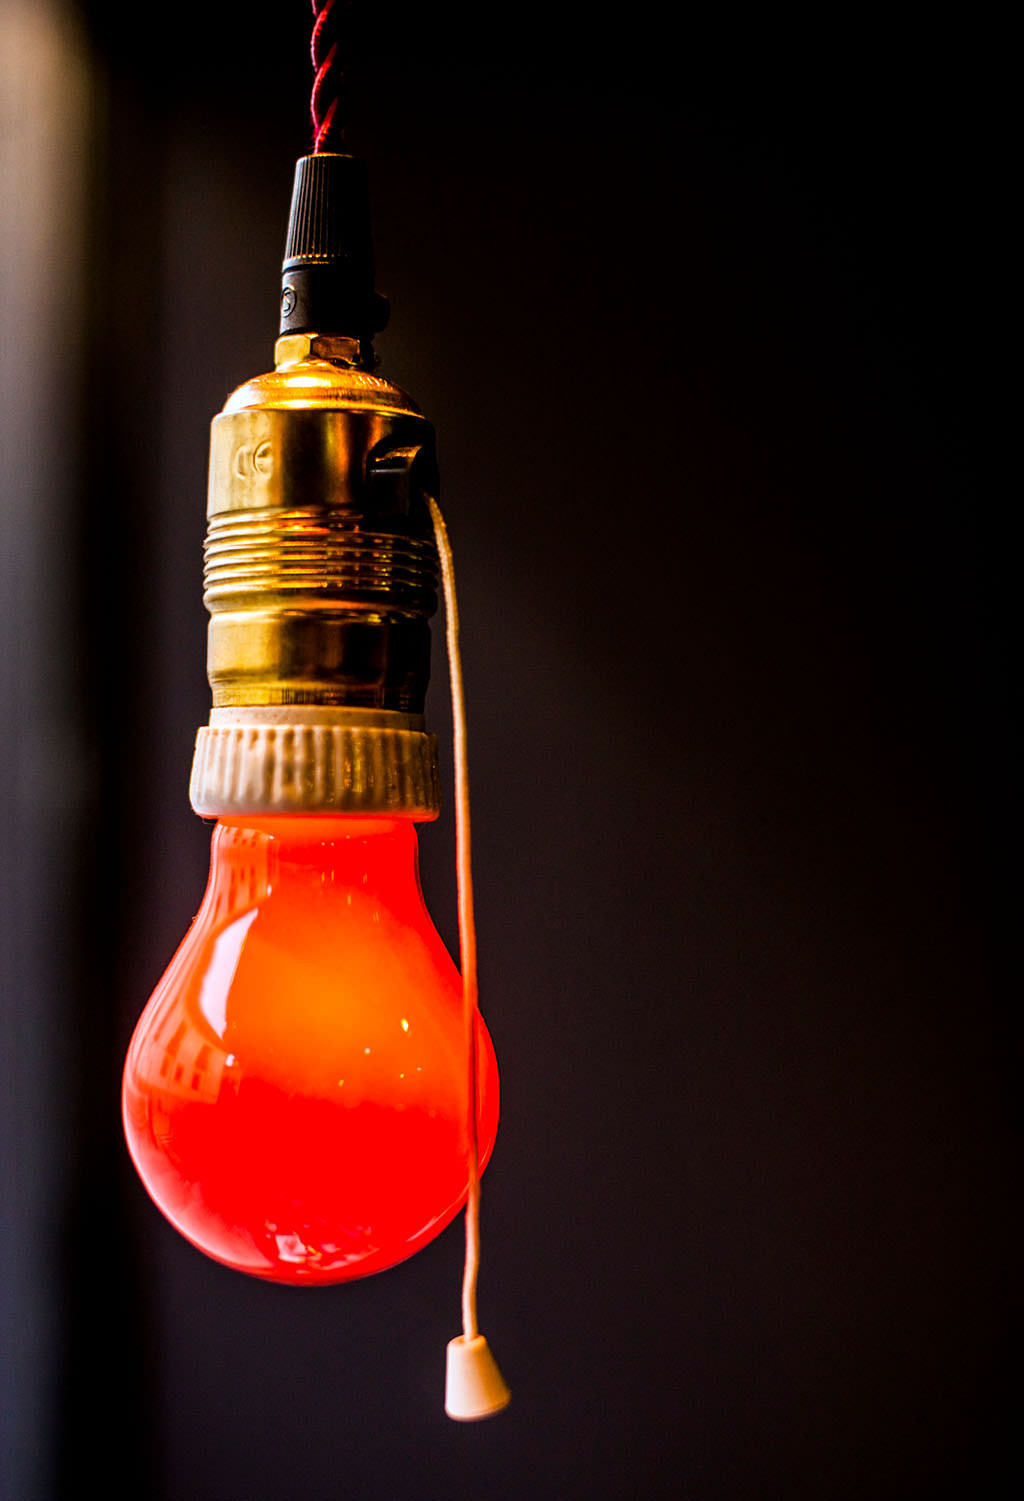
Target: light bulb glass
(295, 1090)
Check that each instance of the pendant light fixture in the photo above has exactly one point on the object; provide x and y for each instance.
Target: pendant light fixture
(311, 1094)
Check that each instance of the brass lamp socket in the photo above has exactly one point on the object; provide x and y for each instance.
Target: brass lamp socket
(321, 577)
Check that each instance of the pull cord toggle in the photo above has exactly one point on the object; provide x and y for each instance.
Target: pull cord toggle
(474, 1386)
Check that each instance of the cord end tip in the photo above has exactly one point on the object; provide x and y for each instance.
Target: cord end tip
(474, 1388)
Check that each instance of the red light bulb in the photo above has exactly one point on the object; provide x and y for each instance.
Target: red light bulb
(295, 1091)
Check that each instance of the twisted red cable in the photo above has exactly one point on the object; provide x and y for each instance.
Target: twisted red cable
(325, 104)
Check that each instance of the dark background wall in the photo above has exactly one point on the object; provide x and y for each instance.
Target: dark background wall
(707, 321)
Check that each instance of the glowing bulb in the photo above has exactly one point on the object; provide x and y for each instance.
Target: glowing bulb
(295, 1091)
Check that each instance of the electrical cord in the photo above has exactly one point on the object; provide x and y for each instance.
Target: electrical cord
(325, 105)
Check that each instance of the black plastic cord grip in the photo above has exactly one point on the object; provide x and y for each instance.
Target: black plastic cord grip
(327, 275)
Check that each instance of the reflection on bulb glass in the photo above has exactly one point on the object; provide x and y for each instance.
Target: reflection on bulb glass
(294, 1094)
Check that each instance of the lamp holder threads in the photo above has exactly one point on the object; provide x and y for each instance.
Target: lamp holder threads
(321, 578)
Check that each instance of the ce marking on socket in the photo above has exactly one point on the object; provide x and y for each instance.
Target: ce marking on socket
(254, 458)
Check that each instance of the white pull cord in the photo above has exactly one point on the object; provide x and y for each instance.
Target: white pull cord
(475, 1387)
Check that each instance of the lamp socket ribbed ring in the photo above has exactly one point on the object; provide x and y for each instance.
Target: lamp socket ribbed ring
(256, 555)
(265, 768)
